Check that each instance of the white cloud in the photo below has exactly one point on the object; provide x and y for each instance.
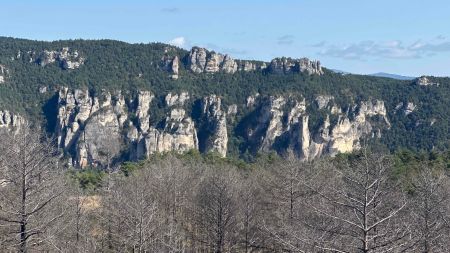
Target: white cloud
(178, 42)
(394, 49)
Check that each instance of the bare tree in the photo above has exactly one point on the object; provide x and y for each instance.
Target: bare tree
(250, 216)
(430, 209)
(215, 211)
(359, 207)
(30, 191)
(173, 184)
(77, 228)
(133, 210)
(284, 206)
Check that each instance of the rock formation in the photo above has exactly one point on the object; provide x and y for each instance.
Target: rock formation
(98, 130)
(247, 66)
(201, 60)
(288, 65)
(171, 65)
(175, 67)
(213, 134)
(177, 134)
(10, 121)
(66, 58)
(410, 107)
(3, 73)
(283, 125)
(322, 101)
(425, 81)
(90, 128)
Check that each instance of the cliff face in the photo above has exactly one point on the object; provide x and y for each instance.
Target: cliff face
(178, 132)
(66, 58)
(3, 73)
(11, 121)
(201, 60)
(90, 128)
(98, 130)
(288, 65)
(106, 127)
(282, 124)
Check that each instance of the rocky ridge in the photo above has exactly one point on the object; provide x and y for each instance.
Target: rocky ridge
(96, 131)
(66, 58)
(198, 60)
(288, 65)
(425, 81)
(287, 128)
(201, 60)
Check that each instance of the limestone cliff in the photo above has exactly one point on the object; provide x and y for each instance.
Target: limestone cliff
(3, 73)
(10, 121)
(282, 124)
(66, 58)
(90, 128)
(171, 65)
(177, 134)
(289, 65)
(98, 130)
(213, 134)
(425, 81)
(201, 60)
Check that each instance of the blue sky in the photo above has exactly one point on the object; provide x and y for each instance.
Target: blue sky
(409, 37)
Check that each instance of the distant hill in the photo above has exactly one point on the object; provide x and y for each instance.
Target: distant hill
(393, 76)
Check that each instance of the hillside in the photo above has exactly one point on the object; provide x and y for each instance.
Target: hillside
(147, 98)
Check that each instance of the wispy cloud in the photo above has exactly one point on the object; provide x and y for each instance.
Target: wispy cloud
(170, 10)
(286, 40)
(395, 49)
(178, 42)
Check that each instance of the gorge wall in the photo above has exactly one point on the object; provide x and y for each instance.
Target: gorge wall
(164, 99)
(96, 130)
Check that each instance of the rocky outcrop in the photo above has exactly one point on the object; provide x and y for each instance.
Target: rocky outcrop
(425, 81)
(271, 116)
(178, 133)
(177, 99)
(346, 135)
(406, 108)
(3, 73)
(98, 130)
(232, 110)
(90, 128)
(251, 100)
(144, 99)
(171, 65)
(322, 101)
(289, 65)
(201, 60)
(175, 65)
(10, 121)
(248, 66)
(213, 134)
(66, 58)
(282, 124)
(410, 108)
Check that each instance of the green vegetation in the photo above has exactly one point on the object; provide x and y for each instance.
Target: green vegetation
(115, 65)
(88, 179)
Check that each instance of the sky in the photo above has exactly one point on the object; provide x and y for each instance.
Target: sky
(407, 37)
